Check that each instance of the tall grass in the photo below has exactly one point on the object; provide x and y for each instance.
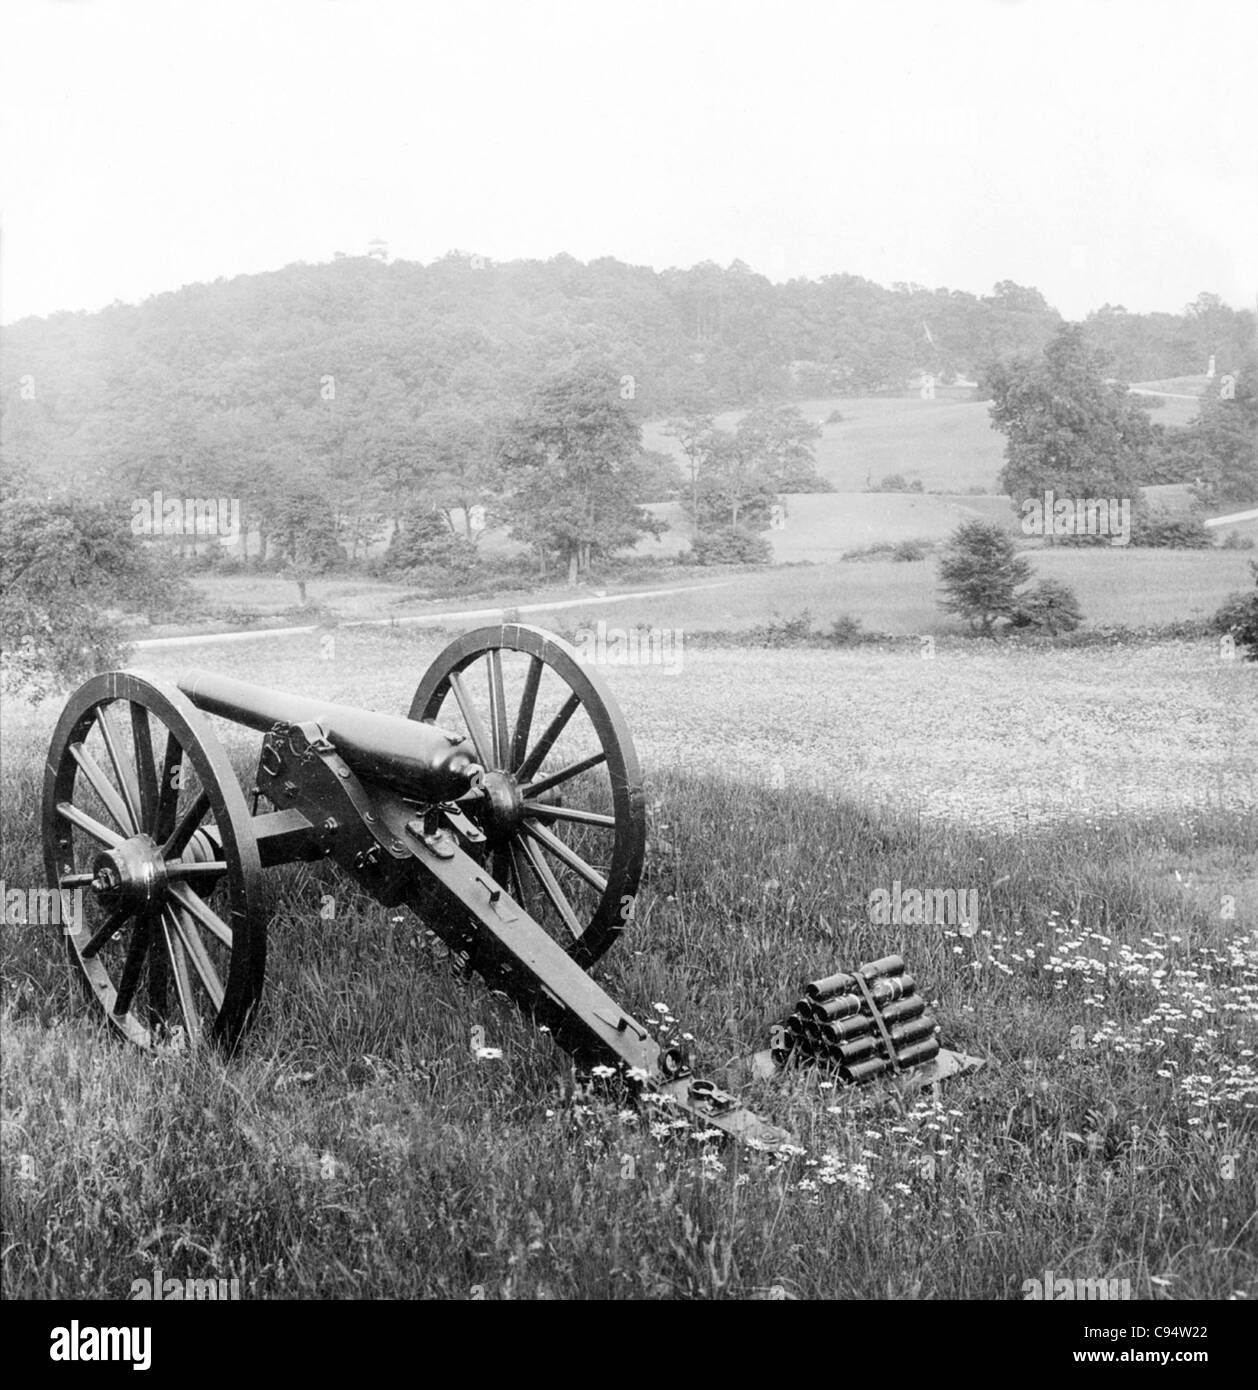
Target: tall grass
(358, 1148)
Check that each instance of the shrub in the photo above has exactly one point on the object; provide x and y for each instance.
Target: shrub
(1235, 541)
(908, 550)
(1162, 530)
(730, 545)
(235, 616)
(846, 630)
(1049, 606)
(896, 482)
(788, 632)
(1239, 617)
(835, 417)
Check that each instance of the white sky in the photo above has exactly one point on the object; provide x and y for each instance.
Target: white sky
(1099, 151)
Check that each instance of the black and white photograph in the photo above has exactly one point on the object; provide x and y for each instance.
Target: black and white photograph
(629, 669)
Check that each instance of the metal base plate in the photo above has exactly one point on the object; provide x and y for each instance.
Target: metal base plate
(939, 1068)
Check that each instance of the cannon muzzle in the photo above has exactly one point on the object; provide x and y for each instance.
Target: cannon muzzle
(419, 760)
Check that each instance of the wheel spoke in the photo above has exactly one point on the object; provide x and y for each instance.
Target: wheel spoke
(146, 767)
(561, 851)
(497, 709)
(100, 833)
(475, 729)
(547, 741)
(178, 839)
(199, 957)
(168, 792)
(564, 775)
(102, 934)
(109, 731)
(202, 912)
(141, 941)
(183, 985)
(524, 720)
(112, 802)
(550, 885)
(540, 808)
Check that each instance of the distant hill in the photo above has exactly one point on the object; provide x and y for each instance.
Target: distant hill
(372, 384)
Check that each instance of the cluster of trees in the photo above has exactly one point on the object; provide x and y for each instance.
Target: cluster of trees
(367, 388)
(1069, 429)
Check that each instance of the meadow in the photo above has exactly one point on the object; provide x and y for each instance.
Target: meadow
(1114, 585)
(1102, 805)
(947, 444)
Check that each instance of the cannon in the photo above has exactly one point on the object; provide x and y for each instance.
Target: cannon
(506, 809)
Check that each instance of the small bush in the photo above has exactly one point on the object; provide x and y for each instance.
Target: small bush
(896, 482)
(235, 616)
(835, 417)
(1239, 617)
(788, 632)
(1049, 606)
(1235, 541)
(908, 550)
(730, 545)
(846, 631)
(1161, 530)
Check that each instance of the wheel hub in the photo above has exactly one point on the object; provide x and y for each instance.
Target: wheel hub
(131, 876)
(502, 806)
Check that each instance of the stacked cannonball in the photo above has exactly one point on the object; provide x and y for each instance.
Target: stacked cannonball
(836, 1024)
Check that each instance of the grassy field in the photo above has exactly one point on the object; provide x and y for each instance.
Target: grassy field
(947, 444)
(824, 526)
(1096, 801)
(1114, 586)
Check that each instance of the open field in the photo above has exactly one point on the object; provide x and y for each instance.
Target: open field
(1115, 586)
(825, 525)
(947, 443)
(1097, 802)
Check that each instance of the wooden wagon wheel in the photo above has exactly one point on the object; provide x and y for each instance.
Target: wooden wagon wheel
(562, 804)
(161, 844)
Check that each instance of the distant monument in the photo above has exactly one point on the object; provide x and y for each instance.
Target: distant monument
(1210, 368)
(378, 249)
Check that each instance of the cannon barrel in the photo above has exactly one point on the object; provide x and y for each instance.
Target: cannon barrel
(419, 760)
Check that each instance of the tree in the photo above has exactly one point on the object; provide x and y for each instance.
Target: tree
(733, 487)
(67, 568)
(690, 431)
(572, 461)
(1220, 447)
(981, 571)
(779, 441)
(1066, 429)
(305, 531)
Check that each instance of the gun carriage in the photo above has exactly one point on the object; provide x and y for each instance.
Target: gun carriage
(506, 809)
